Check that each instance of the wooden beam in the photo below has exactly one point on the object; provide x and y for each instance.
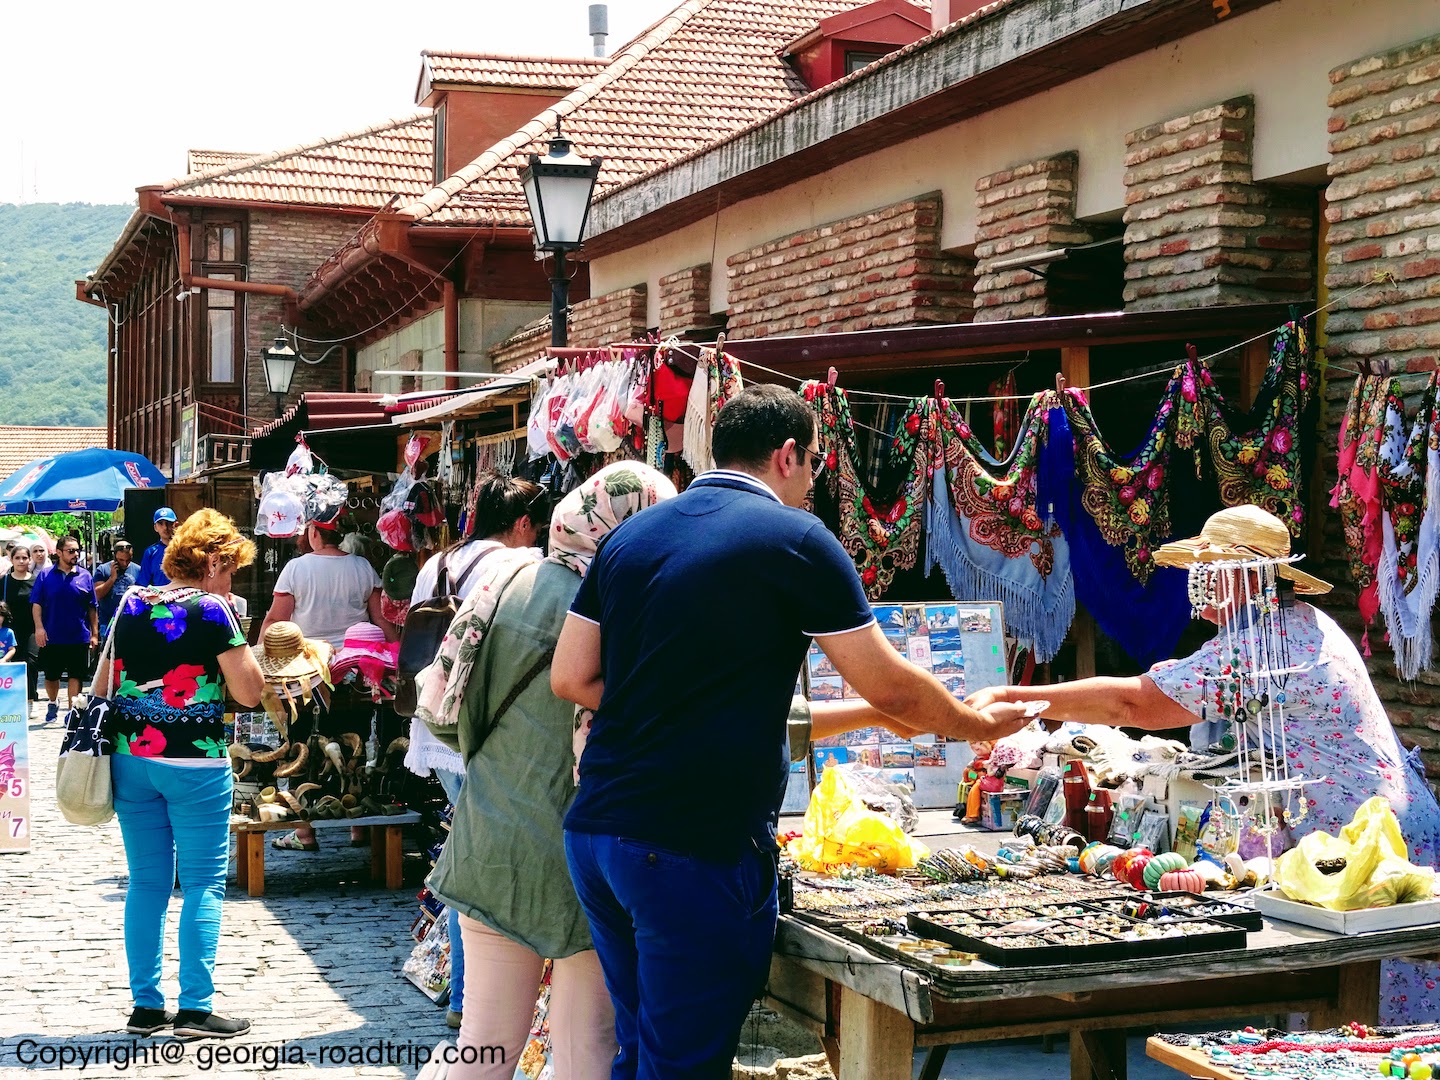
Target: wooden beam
(1254, 362)
(876, 1042)
(1098, 1055)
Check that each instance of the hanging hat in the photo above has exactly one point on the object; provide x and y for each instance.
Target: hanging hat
(281, 513)
(1237, 534)
(286, 655)
(398, 578)
(365, 648)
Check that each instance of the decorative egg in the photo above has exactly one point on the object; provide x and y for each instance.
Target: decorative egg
(1135, 872)
(1120, 868)
(1162, 864)
(1182, 881)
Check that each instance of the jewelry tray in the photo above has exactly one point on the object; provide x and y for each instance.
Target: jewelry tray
(1420, 913)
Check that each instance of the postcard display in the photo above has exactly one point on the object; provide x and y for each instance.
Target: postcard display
(14, 760)
(962, 645)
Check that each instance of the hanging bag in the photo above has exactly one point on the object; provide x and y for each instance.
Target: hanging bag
(82, 775)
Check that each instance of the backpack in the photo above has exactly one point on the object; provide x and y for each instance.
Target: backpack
(424, 630)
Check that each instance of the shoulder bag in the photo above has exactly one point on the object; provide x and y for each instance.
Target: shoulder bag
(82, 775)
(424, 630)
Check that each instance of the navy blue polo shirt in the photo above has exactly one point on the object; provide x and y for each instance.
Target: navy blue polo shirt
(65, 601)
(706, 605)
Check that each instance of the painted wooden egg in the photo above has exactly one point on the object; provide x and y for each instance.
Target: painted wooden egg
(1182, 881)
(1135, 872)
(1162, 864)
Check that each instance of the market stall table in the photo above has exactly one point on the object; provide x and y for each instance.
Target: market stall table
(1189, 1062)
(873, 1013)
(386, 846)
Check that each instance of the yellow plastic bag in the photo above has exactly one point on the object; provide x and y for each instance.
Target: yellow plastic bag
(840, 830)
(1377, 870)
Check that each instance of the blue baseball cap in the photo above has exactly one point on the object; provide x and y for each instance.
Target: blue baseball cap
(164, 514)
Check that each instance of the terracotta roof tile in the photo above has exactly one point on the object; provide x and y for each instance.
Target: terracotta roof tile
(21, 445)
(198, 161)
(517, 72)
(360, 170)
(708, 69)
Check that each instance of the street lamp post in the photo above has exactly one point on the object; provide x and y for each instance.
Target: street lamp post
(558, 188)
(280, 360)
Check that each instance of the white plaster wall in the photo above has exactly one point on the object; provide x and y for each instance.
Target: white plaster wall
(1281, 55)
(483, 323)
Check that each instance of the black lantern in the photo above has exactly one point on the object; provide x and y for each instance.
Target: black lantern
(558, 188)
(280, 360)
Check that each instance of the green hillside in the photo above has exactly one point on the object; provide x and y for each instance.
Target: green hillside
(52, 348)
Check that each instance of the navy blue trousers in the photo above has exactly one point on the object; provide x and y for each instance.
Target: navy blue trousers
(685, 945)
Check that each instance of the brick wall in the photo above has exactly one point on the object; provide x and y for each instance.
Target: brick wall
(285, 248)
(526, 344)
(616, 316)
(1027, 208)
(1198, 230)
(685, 301)
(881, 268)
(1383, 215)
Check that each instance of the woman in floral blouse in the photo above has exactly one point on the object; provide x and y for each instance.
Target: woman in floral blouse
(178, 650)
(1336, 732)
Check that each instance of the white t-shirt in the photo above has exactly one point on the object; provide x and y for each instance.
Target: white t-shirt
(332, 593)
(461, 570)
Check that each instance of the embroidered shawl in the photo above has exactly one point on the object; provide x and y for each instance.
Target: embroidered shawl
(717, 380)
(986, 534)
(1356, 494)
(1408, 575)
(882, 536)
(1145, 618)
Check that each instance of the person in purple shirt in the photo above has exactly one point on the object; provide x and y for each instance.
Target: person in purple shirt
(67, 622)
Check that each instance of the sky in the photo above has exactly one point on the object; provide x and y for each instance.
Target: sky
(99, 99)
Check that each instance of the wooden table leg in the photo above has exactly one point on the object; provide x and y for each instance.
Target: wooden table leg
(255, 857)
(876, 1041)
(1097, 1055)
(934, 1062)
(377, 853)
(394, 857)
(1357, 997)
(242, 860)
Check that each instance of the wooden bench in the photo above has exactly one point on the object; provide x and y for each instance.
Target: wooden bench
(386, 846)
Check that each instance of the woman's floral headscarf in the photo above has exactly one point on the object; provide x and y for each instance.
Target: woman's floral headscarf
(583, 518)
(586, 515)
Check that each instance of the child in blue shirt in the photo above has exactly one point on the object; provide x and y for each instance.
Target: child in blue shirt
(7, 636)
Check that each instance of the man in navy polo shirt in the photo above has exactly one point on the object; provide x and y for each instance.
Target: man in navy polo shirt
(66, 621)
(150, 572)
(687, 635)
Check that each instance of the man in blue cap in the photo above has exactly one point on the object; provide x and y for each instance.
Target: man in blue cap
(150, 572)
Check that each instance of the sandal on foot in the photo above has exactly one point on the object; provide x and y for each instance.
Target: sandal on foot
(291, 842)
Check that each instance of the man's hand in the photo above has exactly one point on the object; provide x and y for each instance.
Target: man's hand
(40, 638)
(982, 699)
(1006, 717)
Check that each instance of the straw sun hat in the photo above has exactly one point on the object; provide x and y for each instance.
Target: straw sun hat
(295, 668)
(1236, 534)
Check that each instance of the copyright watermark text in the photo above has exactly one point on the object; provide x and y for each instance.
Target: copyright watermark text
(205, 1056)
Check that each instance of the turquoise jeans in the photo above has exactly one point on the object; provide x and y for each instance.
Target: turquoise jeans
(173, 818)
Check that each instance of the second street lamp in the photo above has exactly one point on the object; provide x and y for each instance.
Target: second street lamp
(558, 188)
(280, 360)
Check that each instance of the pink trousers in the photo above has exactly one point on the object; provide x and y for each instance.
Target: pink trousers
(502, 981)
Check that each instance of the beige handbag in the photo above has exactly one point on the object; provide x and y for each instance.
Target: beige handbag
(82, 775)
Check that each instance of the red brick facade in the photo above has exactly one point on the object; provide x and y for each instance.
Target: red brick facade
(616, 316)
(685, 301)
(1383, 217)
(526, 344)
(1025, 209)
(881, 268)
(1198, 230)
(285, 247)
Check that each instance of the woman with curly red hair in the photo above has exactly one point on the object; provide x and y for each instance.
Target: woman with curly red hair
(178, 649)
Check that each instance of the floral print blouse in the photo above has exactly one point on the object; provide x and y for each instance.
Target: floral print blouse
(1336, 730)
(169, 698)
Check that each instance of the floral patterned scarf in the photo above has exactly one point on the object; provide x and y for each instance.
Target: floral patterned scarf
(882, 537)
(1356, 494)
(984, 530)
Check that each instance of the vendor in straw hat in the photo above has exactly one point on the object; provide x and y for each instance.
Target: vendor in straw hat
(1334, 725)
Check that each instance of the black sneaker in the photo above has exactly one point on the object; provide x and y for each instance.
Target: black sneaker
(149, 1021)
(190, 1024)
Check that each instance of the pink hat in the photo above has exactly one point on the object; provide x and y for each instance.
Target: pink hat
(365, 648)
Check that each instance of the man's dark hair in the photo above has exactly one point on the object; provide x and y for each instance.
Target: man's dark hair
(756, 422)
(503, 500)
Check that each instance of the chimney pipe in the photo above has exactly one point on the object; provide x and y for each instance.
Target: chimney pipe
(599, 27)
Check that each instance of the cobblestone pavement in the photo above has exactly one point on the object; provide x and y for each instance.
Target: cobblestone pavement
(315, 964)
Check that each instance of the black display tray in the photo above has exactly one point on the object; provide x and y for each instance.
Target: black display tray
(1192, 906)
(1229, 937)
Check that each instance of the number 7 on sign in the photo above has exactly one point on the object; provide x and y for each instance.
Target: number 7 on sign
(17, 828)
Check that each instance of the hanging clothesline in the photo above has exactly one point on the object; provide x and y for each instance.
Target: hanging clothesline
(1166, 369)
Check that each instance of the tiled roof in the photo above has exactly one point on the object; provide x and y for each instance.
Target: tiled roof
(516, 72)
(359, 170)
(198, 161)
(703, 72)
(22, 445)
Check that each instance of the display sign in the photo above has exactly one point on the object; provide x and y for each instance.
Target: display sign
(962, 645)
(185, 463)
(14, 760)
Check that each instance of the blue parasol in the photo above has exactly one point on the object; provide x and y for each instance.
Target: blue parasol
(82, 480)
